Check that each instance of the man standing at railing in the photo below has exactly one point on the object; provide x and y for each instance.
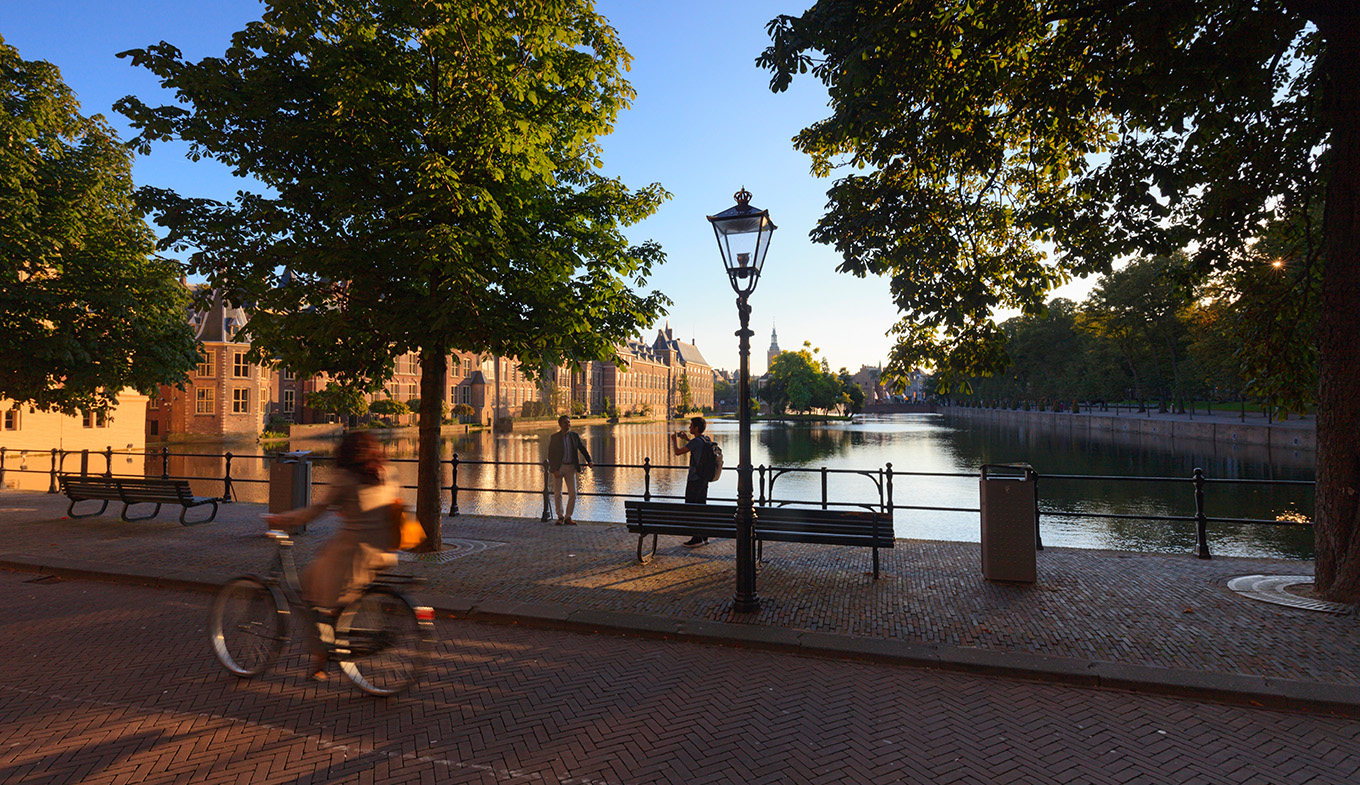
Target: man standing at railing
(566, 453)
(695, 444)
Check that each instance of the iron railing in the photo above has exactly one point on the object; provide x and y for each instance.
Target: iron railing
(766, 478)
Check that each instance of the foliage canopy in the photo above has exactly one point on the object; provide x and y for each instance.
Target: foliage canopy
(86, 308)
(429, 173)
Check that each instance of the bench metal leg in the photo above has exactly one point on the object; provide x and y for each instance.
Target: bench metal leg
(647, 558)
(875, 564)
(185, 511)
(71, 510)
(153, 514)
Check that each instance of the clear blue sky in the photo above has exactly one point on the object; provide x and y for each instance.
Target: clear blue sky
(703, 125)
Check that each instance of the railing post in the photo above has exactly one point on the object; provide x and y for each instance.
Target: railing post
(762, 501)
(1201, 520)
(889, 486)
(646, 479)
(453, 486)
(547, 493)
(108, 461)
(165, 463)
(226, 481)
(1038, 541)
(85, 462)
(52, 486)
(824, 488)
(2, 467)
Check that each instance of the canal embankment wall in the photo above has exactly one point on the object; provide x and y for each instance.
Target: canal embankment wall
(1221, 429)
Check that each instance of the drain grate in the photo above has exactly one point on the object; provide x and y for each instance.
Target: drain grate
(453, 549)
(1274, 589)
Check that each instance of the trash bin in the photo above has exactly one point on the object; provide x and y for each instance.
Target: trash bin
(1008, 495)
(290, 481)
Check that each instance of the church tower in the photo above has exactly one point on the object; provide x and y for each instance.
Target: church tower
(773, 351)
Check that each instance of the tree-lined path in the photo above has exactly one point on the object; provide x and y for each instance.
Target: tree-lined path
(106, 683)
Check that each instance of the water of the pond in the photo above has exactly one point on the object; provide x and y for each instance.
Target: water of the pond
(955, 449)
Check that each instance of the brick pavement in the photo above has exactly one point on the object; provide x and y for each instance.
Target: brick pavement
(1095, 617)
(106, 684)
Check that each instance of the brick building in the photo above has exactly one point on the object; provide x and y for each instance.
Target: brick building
(225, 396)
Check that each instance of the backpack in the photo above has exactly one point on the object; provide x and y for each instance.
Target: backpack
(711, 462)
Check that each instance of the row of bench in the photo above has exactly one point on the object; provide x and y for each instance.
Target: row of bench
(868, 528)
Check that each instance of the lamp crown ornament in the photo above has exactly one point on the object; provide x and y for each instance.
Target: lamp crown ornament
(743, 197)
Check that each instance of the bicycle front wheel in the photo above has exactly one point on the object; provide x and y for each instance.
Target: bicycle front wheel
(248, 626)
(380, 642)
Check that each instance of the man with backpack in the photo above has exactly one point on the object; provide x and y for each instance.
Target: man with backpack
(701, 466)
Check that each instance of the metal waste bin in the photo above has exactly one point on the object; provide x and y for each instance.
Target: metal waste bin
(1009, 496)
(290, 481)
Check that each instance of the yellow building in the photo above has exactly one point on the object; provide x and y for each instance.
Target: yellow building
(29, 436)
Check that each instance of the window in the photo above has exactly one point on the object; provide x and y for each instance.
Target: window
(154, 402)
(240, 401)
(465, 394)
(411, 391)
(94, 420)
(239, 367)
(11, 419)
(205, 365)
(203, 400)
(289, 399)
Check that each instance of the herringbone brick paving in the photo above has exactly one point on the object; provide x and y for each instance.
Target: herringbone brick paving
(1171, 611)
(107, 683)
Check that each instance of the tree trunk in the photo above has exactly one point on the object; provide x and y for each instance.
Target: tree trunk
(434, 366)
(1337, 572)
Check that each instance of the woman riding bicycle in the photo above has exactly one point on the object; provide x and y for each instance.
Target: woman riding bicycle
(360, 548)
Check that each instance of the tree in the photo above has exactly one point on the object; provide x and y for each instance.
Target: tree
(86, 309)
(798, 382)
(342, 399)
(388, 407)
(853, 394)
(429, 185)
(1138, 310)
(983, 130)
(685, 405)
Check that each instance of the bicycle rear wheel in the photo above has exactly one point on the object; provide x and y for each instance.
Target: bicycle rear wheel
(248, 626)
(380, 642)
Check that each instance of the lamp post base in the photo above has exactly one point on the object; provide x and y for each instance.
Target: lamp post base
(745, 604)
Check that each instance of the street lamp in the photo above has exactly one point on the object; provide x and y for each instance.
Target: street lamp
(743, 234)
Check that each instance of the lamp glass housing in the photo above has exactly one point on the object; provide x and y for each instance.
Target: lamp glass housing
(743, 233)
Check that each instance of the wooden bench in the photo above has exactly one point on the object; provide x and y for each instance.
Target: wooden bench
(855, 528)
(130, 491)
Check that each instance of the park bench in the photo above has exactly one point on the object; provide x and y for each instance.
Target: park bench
(855, 528)
(130, 491)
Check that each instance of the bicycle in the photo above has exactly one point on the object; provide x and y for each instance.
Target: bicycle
(380, 640)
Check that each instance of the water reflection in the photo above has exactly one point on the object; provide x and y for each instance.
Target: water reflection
(935, 460)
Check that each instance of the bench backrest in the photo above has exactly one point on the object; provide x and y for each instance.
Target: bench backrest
(152, 489)
(88, 487)
(791, 520)
(706, 515)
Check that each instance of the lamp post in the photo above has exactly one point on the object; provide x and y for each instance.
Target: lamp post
(743, 233)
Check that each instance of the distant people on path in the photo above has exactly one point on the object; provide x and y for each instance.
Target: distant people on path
(566, 454)
(693, 443)
(348, 562)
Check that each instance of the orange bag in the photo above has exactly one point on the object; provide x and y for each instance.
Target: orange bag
(407, 533)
